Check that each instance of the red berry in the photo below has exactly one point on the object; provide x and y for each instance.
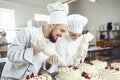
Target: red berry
(106, 67)
(111, 67)
(117, 69)
(88, 77)
(32, 75)
(83, 73)
(27, 77)
(39, 73)
(75, 68)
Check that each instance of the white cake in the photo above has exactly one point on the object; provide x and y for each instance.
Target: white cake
(115, 65)
(39, 77)
(68, 73)
(90, 68)
(91, 76)
(110, 73)
(99, 64)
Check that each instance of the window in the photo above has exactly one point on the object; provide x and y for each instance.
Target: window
(7, 23)
(39, 20)
(7, 18)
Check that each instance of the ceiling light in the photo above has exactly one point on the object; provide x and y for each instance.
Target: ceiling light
(92, 0)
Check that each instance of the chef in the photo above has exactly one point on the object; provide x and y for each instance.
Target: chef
(26, 54)
(73, 46)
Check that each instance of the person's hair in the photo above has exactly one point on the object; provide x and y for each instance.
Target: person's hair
(3, 33)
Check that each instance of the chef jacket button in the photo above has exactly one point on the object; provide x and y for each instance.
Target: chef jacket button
(28, 70)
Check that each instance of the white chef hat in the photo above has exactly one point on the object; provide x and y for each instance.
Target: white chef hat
(58, 13)
(76, 23)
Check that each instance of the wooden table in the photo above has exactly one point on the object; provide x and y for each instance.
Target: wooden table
(3, 53)
(3, 50)
(92, 51)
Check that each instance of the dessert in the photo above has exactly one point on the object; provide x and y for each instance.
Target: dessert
(91, 76)
(39, 76)
(99, 64)
(110, 73)
(115, 64)
(87, 67)
(68, 73)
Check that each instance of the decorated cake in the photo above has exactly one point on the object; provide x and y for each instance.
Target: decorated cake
(68, 73)
(91, 76)
(115, 65)
(87, 67)
(110, 73)
(39, 76)
(99, 64)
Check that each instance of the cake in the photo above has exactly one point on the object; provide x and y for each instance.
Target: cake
(68, 73)
(99, 64)
(110, 73)
(115, 65)
(87, 67)
(91, 76)
(39, 76)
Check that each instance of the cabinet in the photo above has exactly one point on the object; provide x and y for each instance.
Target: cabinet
(108, 38)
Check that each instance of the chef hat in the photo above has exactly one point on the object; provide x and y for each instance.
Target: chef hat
(76, 23)
(58, 13)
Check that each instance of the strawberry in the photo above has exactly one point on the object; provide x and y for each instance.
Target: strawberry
(39, 73)
(75, 68)
(106, 67)
(111, 67)
(88, 77)
(32, 75)
(27, 77)
(84, 73)
(117, 69)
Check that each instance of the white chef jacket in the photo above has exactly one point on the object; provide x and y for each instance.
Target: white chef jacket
(20, 56)
(68, 48)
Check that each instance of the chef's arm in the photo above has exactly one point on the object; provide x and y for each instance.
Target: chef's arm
(50, 67)
(19, 51)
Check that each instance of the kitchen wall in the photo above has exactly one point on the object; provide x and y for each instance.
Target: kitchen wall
(98, 13)
(23, 12)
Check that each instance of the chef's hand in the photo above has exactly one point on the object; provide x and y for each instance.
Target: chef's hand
(39, 46)
(53, 59)
(83, 54)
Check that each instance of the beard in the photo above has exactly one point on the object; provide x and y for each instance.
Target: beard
(51, 38)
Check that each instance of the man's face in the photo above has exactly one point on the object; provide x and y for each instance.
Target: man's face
(74, 36)
(57, 32)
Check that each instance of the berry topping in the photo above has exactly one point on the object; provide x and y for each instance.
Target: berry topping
(32, 75)
(111, 67)
(117, 69)
(88, 77)
(27, 77)
(39, 73)
(75, 68)
(106, 67)
(84, 73)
